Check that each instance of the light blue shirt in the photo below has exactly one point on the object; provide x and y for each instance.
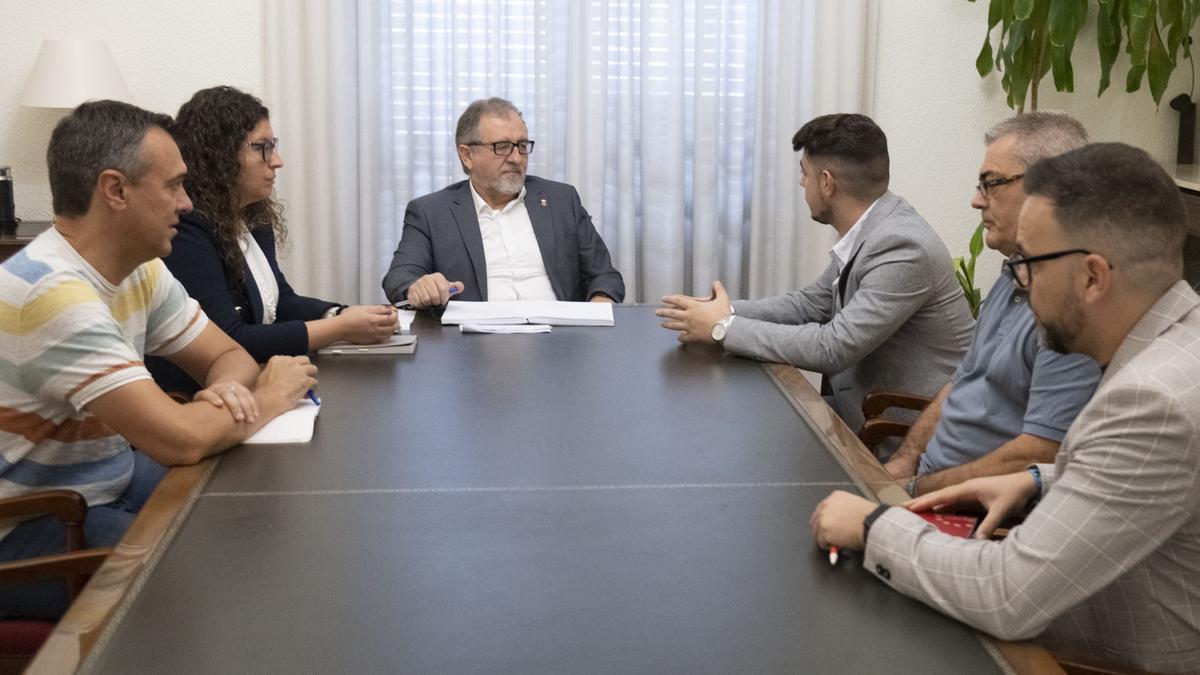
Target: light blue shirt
(1009, 383)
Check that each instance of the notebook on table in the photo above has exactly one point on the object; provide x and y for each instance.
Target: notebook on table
(403, 343)
(956, 525)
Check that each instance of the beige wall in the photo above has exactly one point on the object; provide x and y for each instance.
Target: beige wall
(166, 49)
(935, 108)
(927, 96)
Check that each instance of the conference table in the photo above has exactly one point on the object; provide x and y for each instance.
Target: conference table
(595, 499)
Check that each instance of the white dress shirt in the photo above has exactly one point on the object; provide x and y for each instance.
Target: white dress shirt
(515, 270)
(261, 275)
(841, 250)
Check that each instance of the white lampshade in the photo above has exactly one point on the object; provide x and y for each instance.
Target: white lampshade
(69, 72)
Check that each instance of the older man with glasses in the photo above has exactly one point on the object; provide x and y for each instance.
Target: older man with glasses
(500, 235)
(1013, 397)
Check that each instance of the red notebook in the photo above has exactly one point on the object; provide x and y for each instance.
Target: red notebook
(952, 524)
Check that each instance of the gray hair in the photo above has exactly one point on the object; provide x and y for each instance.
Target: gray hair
(1040, 134)
(468, 124)
(95, 137)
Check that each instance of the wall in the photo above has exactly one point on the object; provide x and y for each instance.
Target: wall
(935, 108)
(166, 49)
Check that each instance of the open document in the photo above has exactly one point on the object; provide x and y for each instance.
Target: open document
(552, 312)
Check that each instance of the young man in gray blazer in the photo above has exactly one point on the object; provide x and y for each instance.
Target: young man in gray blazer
(1105, 565)
(500, 235)
(886, 313)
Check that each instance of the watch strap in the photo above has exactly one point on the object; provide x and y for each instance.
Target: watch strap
(870, 520)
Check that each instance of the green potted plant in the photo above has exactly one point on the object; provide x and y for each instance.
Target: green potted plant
(1038, 36)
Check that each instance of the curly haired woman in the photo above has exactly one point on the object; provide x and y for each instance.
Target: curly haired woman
(224, 253)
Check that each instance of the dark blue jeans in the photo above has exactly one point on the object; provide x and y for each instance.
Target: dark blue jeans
(45, 535)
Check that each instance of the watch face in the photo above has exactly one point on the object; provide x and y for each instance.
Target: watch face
(718, 331)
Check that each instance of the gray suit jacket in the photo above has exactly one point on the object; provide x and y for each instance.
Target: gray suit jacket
(1108, 563)
(441, 234)
(898, 320)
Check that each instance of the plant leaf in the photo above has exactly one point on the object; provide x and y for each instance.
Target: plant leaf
(984, 62)
(996, 12)
(1023, 9)
(976, 245)
(1066, 18)
(1108, 39)
(1133, 81)
(1159, 67)
(1140, 22)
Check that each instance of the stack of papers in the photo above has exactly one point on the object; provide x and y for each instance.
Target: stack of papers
(553, 313)
(293, 426)
(405, 343)
(503, 329)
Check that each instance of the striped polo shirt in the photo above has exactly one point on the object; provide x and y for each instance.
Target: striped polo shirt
(68, 336)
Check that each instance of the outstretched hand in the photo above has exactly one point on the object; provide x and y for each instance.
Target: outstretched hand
(694, 317)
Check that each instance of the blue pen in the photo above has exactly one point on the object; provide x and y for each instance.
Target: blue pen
(405, 304)
(312, 396)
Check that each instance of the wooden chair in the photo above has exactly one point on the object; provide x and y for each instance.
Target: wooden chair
(20, 639)
(876, 428)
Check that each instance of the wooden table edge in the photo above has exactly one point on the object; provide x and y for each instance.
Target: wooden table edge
(107, 595)
(877, 484)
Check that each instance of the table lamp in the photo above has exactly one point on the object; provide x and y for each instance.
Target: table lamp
(70, 71)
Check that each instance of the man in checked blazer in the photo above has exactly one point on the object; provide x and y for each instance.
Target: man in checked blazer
(501, 235)
(886, 313)
(1106, 566)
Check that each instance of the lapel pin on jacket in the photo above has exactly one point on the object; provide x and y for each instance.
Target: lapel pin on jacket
(545, 203)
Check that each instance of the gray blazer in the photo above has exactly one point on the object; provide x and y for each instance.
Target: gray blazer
(441, 234)
(1107, 565)
(898, 321)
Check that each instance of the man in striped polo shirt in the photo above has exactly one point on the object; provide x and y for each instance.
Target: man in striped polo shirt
(79, 308)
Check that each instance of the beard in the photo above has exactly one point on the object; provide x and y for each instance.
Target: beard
(825, 216)
(510, 183)
(1060, 333)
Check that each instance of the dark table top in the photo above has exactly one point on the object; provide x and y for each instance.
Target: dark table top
(23, 232)
(592, 500)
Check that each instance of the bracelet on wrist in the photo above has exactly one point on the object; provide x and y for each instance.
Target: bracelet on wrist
(1037, 484)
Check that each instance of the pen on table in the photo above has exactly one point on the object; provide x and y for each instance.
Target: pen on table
(312, 396)
(406, 304)
(833, 555)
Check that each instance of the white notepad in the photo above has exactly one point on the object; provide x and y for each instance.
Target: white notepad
(293, 426)
(551, 312)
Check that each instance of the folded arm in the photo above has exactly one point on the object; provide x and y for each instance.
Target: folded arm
(173, 434)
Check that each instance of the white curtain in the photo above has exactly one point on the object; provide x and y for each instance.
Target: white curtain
(673, 118)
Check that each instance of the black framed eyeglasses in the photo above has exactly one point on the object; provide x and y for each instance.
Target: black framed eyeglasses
(505, 148)
(265, 148)
(1020, 267)
(984, 187)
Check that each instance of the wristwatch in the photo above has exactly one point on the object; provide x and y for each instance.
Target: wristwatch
(721, 327)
